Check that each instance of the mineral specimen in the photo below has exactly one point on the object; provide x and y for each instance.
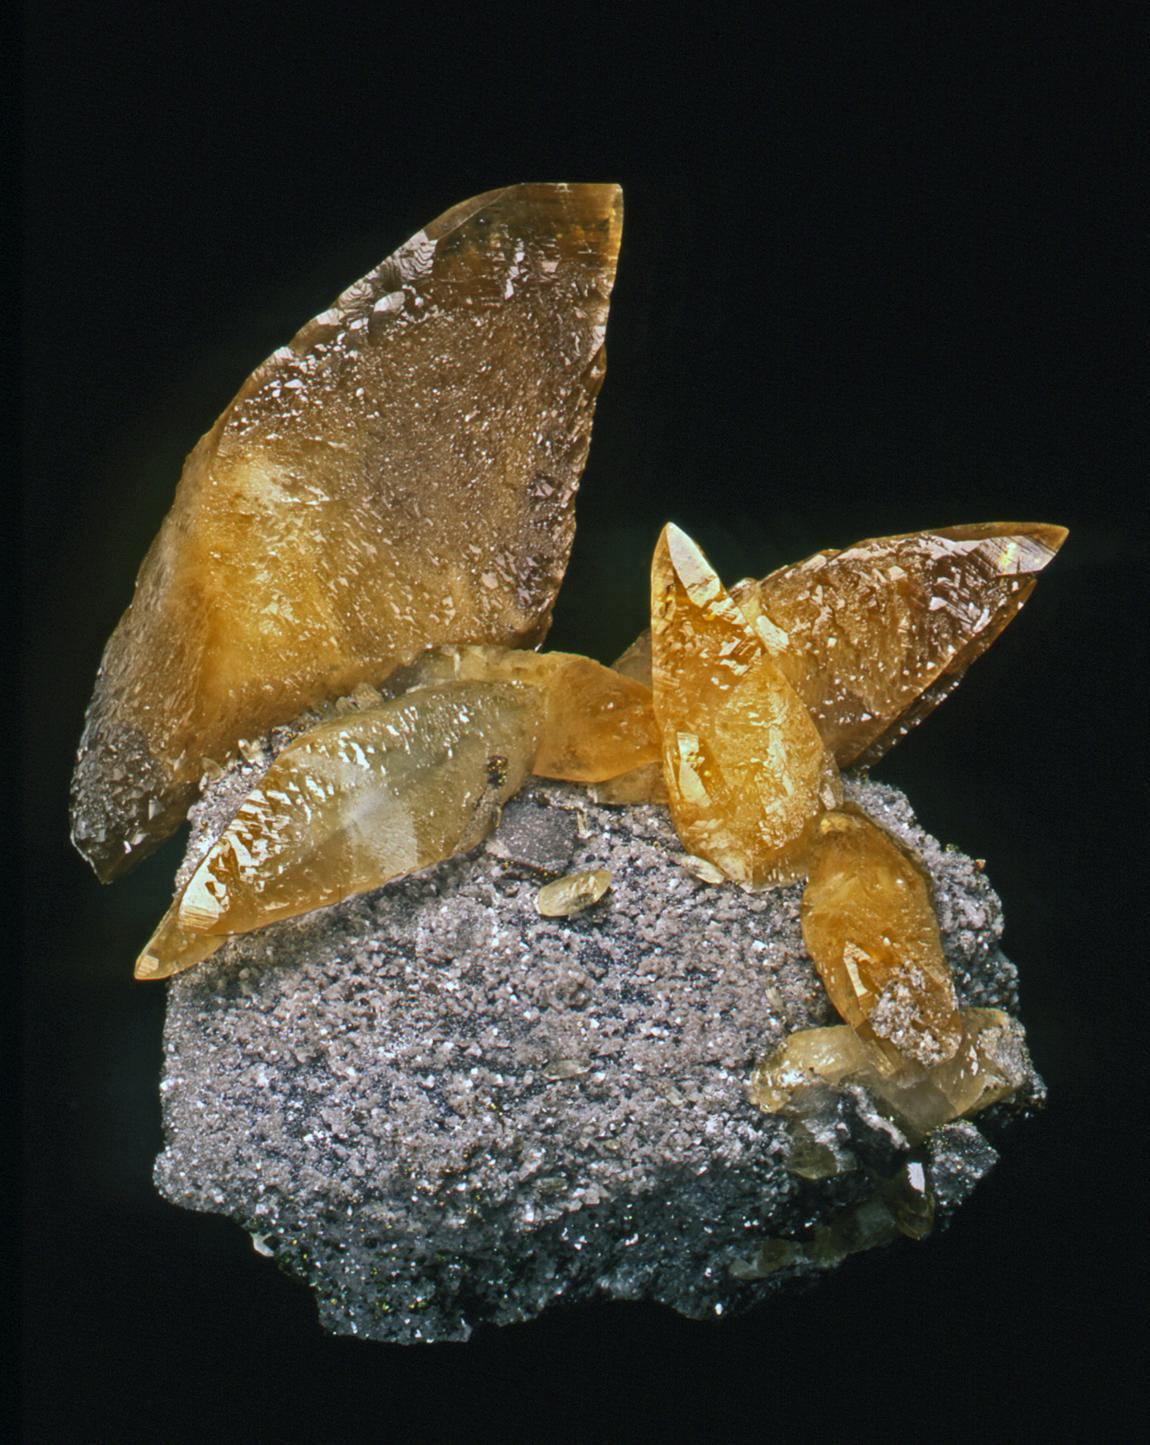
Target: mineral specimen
(466, 1082)
(401, 474)
(745, 769)
(439, 1109)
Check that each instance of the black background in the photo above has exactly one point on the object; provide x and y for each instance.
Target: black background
(881, 270)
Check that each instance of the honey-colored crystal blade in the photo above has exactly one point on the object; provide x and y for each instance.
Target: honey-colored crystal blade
(872, 638)
(746, 771)
(596, 724)
(173, 948)
(400, 475)
(875, 636)
(361, 799)
(869, 924)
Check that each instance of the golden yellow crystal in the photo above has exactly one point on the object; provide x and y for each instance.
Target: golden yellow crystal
(869, 925)
(990, 1064)
(402, 474)
(596, 724)
(363, 799)
(746, 771)
(873, 637)
(173, 948)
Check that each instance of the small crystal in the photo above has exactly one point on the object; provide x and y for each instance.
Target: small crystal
(869, 925)
(573, 893)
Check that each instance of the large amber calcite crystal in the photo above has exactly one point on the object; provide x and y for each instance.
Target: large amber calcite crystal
(401, 474)
(363, 799)
(746, 772)
(873, 637)
(869, 924)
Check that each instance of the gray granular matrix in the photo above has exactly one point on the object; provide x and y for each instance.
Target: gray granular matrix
(440, 1109)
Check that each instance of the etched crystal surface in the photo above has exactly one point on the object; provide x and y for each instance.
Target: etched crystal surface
(746, 771)
(873, 637)
(360, 800)
(870, 927)
(401, 474)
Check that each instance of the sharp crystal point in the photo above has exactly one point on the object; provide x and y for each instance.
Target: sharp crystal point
(401, 474)
(745, 769)
(365, 798)
(875, 636)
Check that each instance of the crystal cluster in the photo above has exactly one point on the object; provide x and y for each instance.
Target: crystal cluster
(364, 549)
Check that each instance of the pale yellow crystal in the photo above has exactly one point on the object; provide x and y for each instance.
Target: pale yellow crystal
(402, 474)
(746, 771)
(596, 724)
(573, 893)
(362, 799)
(989, 1065)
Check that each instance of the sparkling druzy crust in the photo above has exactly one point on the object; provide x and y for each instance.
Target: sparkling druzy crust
(401, 474)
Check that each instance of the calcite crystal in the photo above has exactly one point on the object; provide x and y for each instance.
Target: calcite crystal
(573, 893)
(401, 474)
(356, 802)
(745, 769)
(875, 636)
(501, 1030)
(870, 927)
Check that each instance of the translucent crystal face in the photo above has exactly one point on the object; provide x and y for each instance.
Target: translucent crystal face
(869, 925)
(875, 636)
(401, 474)
(872, 638)
(356, 802)
(746, 772)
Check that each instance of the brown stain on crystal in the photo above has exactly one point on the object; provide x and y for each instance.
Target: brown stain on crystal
(401, 474)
